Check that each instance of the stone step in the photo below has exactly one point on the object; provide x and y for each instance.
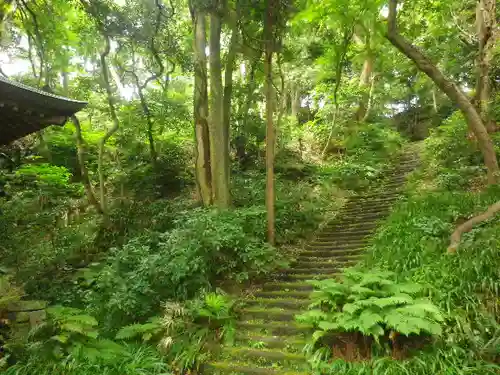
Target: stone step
(328, 253)
(354, 221)
(319, 265)
(275, 328)
(294, 271)
(365, 209)
(355, 233)
(349, 226)
(268, 314)
(383, 199)
(264, 356)
(281, 293)
(330, 261)
(287, 286)
(309, 274)
(292, 344)
(234, 368)
(374, 197)
(286, 303)
(332, 245)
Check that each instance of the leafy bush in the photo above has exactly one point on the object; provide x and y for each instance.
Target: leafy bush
(449, 360)
(185, 328)
(452, 156)
(413, 242)
(371, 303)
(132, 360)
(70, 332)
(377, 139)
(138, 276)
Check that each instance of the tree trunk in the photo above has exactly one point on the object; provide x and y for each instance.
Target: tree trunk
(486, 34)
(149, 119)
(80, 149)
(228, 82)
(219, 144)
(470, 113)
(270, 136)
(202, 148)
(365, 87)
(468, 225)
(116, 124)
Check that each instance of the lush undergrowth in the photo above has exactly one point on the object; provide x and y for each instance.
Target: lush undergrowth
(157, 245)
(447, 190)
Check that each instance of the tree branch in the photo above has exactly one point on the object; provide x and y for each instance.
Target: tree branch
(468, 225)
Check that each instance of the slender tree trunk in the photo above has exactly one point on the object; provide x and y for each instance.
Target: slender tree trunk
(270, 136)
(202, 148)
(80, 149)
(116, 124)
(471, 115)
(149, 120)
(228, 82)
(219, 144)
(364, 85)
(487, 35)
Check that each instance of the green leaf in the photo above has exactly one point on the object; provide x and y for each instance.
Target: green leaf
(328, 326)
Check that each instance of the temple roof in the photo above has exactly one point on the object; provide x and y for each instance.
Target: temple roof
(25, 110)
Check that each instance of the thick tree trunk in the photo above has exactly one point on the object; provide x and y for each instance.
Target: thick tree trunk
(470, 113)
(487, 35)
(116, 124)
(270, 136)
(219, 144)
(365, 87)
(468, 225)
(202, 148)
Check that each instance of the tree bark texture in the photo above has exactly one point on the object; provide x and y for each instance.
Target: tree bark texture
(270, 136)
(228, 80)
(365, 86)
(219, 144)
(487, 35)
(80, 149)
(116, 124)
(470, 113)
(202, 148)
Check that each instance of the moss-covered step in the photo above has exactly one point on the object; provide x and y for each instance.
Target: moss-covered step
(291, 344)
(311, 275)
(287, 286)
(330, 245)
(234, 368)
(353, 209)
(296, 294)
(320, 253)
(267, 357)
(267, 314)
(287, 303)
(291, 328)
(331, 260)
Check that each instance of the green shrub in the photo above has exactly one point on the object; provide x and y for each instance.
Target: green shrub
(142, 360)
(379, 139)
(205, 247)
(449, 360)
(413, 242)
(185, 328)
(371, 303)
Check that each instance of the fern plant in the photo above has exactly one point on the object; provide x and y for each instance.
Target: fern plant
(185, 328)
(69, 332)
(373, 304)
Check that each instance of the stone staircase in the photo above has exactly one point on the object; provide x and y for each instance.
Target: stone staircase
(269, 340)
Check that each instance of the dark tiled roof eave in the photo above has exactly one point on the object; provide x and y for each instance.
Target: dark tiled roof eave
(24, 110)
